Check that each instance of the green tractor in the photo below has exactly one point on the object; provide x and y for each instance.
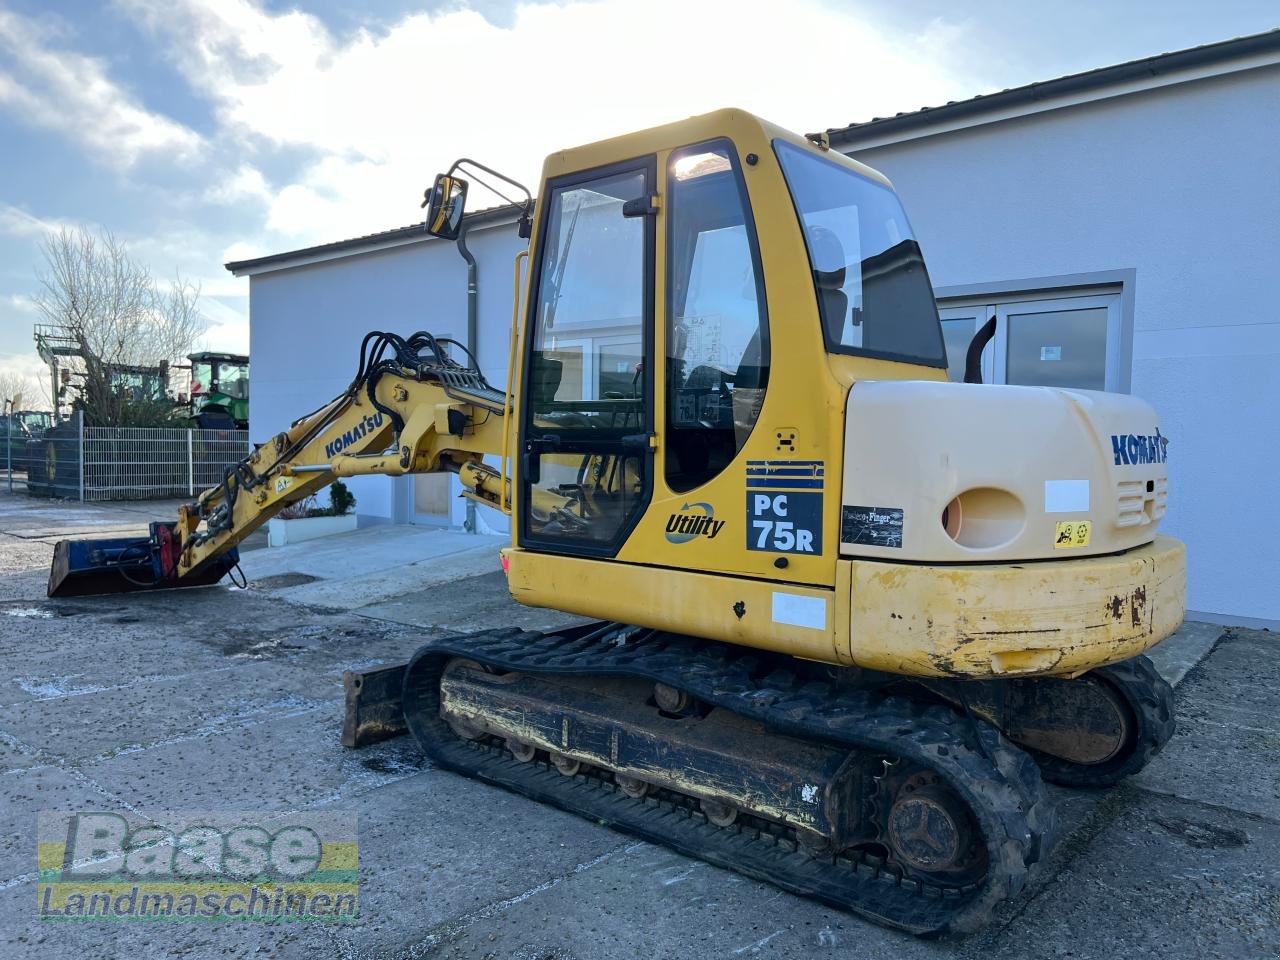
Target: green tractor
(220, 390)
(17, 432)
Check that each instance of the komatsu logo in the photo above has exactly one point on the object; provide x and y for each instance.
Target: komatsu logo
(1130, 448)
(359, 431)
(686, 525)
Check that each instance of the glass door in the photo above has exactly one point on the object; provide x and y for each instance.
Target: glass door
(1072, 342)
(1060, 343)
(586, 467)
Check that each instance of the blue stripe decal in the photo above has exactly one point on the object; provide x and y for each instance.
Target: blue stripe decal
(785, 483)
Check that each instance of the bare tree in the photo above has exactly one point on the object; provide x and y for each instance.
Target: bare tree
(29, 391)
(126, 331)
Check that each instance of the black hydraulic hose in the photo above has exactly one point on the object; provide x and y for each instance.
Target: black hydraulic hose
(407, 355)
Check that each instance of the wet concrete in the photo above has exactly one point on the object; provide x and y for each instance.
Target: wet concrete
(231, 699)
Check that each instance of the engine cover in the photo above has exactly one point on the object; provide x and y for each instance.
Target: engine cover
(955, 472)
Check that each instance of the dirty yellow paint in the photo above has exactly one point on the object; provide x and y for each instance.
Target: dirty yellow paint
(1049, 618)
(1053, 617)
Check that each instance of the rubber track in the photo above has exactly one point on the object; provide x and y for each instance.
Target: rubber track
(1000, 783)
(1150, 698)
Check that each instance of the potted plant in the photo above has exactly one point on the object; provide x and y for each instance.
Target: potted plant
(306, 520)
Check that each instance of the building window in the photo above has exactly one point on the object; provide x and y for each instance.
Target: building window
(1052, 341)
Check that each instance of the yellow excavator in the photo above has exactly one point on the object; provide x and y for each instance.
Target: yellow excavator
(845, 615)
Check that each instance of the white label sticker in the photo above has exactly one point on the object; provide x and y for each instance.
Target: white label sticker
(1050, 353)
(1066, 496)
(798, 611)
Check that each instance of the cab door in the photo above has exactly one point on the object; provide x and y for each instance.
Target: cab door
(586, 469)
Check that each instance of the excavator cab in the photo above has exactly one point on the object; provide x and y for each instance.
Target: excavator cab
(682, 376)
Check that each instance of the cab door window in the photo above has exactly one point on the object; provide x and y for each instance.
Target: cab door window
(586, 434)
(717, 333)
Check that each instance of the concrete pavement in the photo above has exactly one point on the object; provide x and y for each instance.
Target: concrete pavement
(231, 699)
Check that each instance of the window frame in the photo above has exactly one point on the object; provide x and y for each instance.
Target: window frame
(757, 268)
(995, 359)
(580, 441)
(834, 345)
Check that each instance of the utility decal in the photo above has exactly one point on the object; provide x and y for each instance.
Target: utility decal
(694, 520)
(359, 431)
(871, 526)
(1072, 533)
(1131, 449)
(784, 505)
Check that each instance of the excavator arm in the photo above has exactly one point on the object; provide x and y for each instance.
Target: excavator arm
(410, 409)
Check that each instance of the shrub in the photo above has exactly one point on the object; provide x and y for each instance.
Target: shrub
(341, 500)
(306, 507)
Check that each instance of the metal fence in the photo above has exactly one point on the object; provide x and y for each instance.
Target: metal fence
(130, 463)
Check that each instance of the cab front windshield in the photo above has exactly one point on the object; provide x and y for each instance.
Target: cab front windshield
(233, 380)
(874, 295)
(219, 376)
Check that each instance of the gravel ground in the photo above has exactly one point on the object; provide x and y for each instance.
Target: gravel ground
(231, 700)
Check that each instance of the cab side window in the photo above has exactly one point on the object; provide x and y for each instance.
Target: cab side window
(717, 334)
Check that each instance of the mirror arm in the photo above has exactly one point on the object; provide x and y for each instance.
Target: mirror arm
(526, 212)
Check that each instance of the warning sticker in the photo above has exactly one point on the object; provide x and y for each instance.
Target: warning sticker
(1072, 533)
(872, 526)
(283, 484)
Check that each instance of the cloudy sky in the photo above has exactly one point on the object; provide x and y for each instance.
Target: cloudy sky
(202, 131)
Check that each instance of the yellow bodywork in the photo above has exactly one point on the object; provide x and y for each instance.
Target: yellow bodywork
(1016, 606)
(1056, 617)
(980, 621)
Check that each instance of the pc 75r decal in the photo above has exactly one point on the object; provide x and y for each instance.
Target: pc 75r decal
(871, 526)
(784, 505)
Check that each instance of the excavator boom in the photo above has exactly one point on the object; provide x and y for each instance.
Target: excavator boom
(410, 409)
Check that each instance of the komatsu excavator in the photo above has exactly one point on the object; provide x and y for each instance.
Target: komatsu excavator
(845, 614)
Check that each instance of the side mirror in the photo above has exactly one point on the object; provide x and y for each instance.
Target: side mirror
(445, 202)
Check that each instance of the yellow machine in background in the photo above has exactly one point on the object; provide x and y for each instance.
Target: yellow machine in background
(850, 611)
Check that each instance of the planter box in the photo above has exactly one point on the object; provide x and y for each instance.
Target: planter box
(280, 532)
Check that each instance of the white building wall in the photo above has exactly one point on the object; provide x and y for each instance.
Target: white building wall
(1181, 185)
(307, 323)
(1178, 185)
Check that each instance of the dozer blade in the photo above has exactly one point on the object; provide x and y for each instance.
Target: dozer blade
(123, 565)
(374, 705)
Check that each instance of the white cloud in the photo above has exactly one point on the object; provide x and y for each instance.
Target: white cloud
(72, 94)
(228, 326)
(16, 222)
(382, 112)
(21, 303)
(246, 183)
(364, 121)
